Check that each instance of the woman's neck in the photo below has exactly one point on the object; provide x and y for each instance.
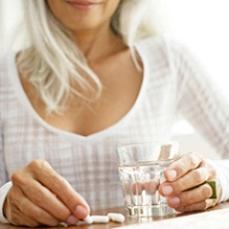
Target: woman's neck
(98, 43)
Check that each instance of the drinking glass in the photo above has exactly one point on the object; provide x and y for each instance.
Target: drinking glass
(141, 171)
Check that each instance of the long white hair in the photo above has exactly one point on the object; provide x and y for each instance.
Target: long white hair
(53, 62)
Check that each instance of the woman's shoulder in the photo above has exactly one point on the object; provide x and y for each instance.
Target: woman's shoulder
(164, 43)
(156, 50)
(165, 48)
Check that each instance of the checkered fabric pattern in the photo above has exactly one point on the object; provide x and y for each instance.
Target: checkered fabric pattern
(173, 84)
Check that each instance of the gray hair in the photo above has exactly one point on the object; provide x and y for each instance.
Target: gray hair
(53, 62)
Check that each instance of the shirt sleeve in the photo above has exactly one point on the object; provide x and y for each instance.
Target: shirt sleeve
(201, 103)
(3, 173)
(3, 193)
(3, 179)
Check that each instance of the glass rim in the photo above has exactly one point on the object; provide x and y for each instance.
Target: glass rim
(156, 161)
(148, 143)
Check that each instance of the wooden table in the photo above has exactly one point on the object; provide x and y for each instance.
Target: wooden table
(129, 221)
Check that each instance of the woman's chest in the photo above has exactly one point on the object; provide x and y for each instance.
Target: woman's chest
(121, 86)
(26, 138)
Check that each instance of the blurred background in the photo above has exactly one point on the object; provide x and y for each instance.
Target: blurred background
(202, 25)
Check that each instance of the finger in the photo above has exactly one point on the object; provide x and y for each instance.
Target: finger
(182, 166)
(45, 174)
(201, 206)
(211, 170)
(137, 188)
(190, 180)
(190, 197)
(35, 213)
(41, 197)
(194, 207)
(151, 187)
(16, 218)
(26, 221)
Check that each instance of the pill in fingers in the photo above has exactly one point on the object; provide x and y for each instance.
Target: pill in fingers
(116, 217)
(88, 220)
(100, 219)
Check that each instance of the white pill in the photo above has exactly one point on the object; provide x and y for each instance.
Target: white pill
(88, 220)
(116, 217)
(100, 219)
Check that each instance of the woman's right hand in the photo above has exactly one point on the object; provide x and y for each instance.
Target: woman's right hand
(40, 196)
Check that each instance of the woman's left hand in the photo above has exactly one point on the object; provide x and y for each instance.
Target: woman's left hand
(183, 189)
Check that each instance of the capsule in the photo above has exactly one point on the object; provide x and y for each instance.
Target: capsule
(88, 220)
(100, 219)
(116, 217)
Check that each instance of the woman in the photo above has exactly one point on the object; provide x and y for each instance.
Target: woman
(94, 77)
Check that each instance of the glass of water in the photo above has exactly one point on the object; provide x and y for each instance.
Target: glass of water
(141, 170)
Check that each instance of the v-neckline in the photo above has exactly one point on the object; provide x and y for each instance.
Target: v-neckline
(23, 98)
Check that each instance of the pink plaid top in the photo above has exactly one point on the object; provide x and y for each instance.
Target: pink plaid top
(173, 84)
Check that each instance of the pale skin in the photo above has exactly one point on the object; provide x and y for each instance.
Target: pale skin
(40, 196)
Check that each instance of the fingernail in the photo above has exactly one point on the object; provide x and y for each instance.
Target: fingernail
(175, 201)
(72, 220)
(81, 212)
(171, 174)
(167, 190)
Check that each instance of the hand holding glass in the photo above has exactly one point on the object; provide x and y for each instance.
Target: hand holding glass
(141, 169)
